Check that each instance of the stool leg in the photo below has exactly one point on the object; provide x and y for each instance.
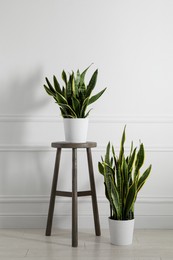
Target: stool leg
(74, 199)
(53, 193)
(93, 191)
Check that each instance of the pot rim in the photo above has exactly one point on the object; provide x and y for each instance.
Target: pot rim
(119, 220)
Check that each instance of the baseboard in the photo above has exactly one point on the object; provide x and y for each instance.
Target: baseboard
(84, 222)
(98, 118)
(31, 212)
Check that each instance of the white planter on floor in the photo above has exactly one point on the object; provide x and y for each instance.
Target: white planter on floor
(121, 231)
(75, 130)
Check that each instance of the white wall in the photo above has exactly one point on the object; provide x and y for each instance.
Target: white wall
(131, 43)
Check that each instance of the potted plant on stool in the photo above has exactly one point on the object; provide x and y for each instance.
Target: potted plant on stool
(122, 181)
(73, 99)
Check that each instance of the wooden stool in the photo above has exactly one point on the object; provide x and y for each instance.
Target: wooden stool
(74, 194)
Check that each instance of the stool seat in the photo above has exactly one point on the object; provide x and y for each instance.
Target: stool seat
(74, 194)
(74, 145)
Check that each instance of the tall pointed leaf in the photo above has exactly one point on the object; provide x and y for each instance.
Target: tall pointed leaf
(49, 85)
(122, 146)
(76, 105)
(82, 76)
(95, 97)
(125, 174)
(77, 80)
(64, 77)
(92, 83)
(101, 168)
(115, 198)
(61, 99)
(131, 148)
(130, 199)
(86, 115)
(143, 178)
(51, 93)
(84, 107)
(70, 111)
(69, 88)
(112, 194)
(107, 156)
(73, 85)
(57, 85)
(131, 160)
(139, 160)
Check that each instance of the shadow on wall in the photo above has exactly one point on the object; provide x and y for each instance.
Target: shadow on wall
(20, 96)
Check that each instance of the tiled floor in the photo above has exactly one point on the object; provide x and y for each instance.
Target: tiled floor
(32, 244)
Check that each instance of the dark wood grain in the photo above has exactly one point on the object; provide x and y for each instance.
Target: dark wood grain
(53, 193)
(93, 193)
(74, 199)
(73, 145)
(74, 193)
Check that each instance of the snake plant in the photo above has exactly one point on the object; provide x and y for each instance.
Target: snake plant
(74, 96)
(122, 178)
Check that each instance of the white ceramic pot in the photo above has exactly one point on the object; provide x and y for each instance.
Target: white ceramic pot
(76, 129)
(121, 232)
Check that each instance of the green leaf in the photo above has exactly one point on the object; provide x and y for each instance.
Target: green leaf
(106, 192)
(87, 113)
(107, 156)
(82, 92)
(115, 159)
(57, 85)
(76, 106)
(69, 88)
(64, 92)
(49, 92)
(84, 107)
(131, 160)
(82, 76)
(131, 149)
(49, 85)
(101, 168)
(117, 172)
(77, 79)
(139, 160)
(130, 199)
(64, 77)
(61, 99)
(110, 170)
(63, 112)
(143, 178)
(95, 97)
(70, 111)
(140, 157)
(126, 177)
(115, 198)
(92, 83)
(73, 85)
(121, 153)
(111, 193)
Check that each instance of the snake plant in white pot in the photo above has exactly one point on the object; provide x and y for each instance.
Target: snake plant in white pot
(73, 99)
(123, 181)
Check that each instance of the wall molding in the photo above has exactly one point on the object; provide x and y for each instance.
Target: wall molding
(84, 222)
(132, 119)
(48, 148)
(31, 212)
(101, 199)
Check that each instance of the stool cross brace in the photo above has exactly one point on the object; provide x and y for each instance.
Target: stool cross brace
(75, 193)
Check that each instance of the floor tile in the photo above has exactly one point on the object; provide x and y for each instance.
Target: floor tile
(32, 244)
